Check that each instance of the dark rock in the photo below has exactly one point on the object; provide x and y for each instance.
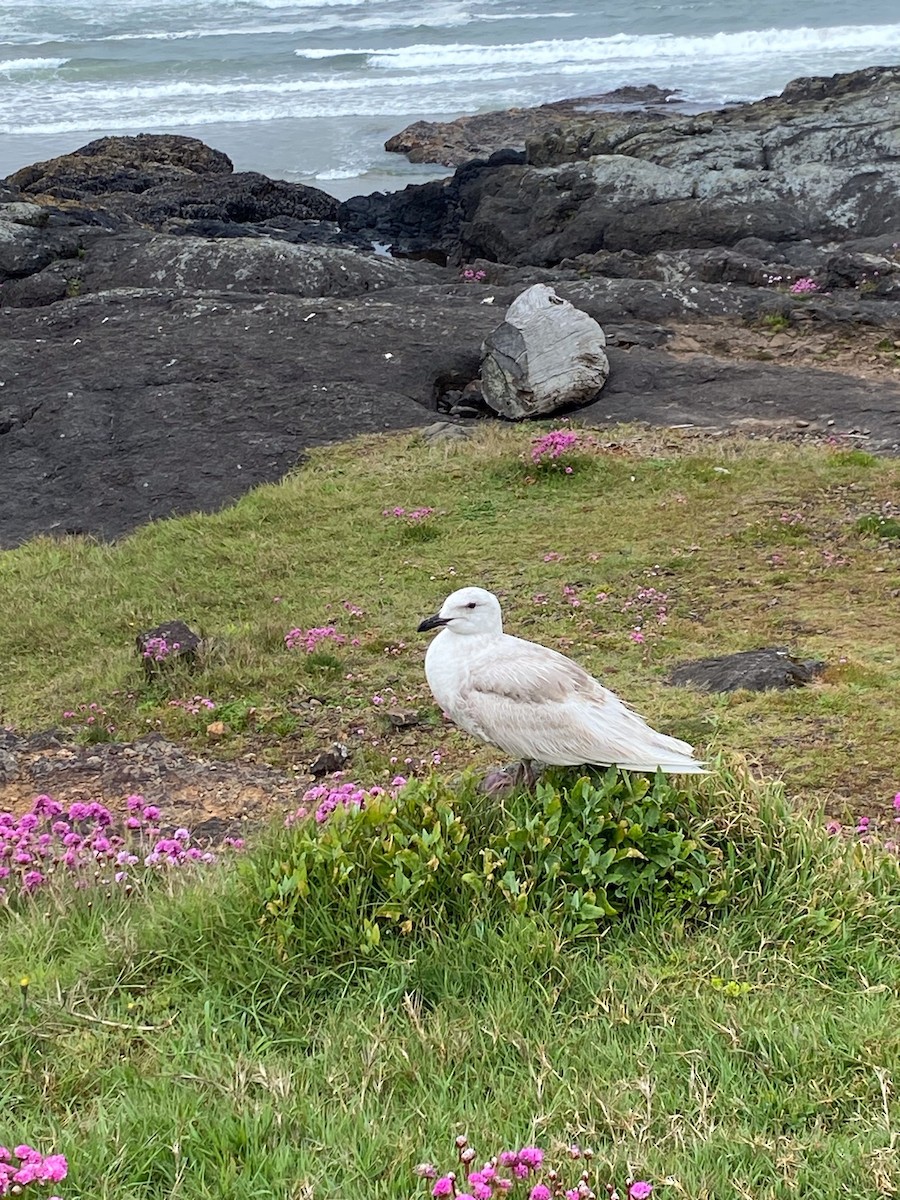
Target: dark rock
(9, 765)
(120, 164)
(34, 291)
(506, 131)
(161, 180)
(753, 670)
(25, 250)
(166, 644)
(243, 198)
(816, 163)
(45, 739)
(331, 760)
(10, 740)
(226, 389)
(189, 264)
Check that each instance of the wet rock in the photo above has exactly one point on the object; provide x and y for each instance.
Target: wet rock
(454, 142)
(753, 670)
(546, 355)
(121, 164)
(818, 163)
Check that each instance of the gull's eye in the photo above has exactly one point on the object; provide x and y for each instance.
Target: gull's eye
(471, 604)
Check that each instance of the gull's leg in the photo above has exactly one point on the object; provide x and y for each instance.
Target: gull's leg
(530, 773)
(500, 781)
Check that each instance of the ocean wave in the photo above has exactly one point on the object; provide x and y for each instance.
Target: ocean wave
(447, 17)
(397, 105)
(32, 64)
(754, 43)
(340, 173)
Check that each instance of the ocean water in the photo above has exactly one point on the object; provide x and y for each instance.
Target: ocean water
(310, 89)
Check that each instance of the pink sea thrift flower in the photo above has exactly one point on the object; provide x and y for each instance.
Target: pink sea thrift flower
(640, 1190)
(443, 1186)
(531, 1156)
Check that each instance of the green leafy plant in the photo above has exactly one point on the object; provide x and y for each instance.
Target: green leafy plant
(601, 846)
(425, 855)
(879, 525)
(380, 858)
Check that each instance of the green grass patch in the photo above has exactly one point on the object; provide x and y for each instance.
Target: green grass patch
(751, 543)
(173, 1045)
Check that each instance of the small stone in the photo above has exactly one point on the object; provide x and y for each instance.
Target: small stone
(330, 760)
(444, 431)
(216, 729)
(753, 670)
(401, 719)
(9, 766)
(165, 644)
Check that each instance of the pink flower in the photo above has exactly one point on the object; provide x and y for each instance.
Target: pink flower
(540, 1191)
(481, 1191)
(531, 1156)
(637, 637)
(508, 1158)
(443, 1186)
(55, 1168)
(640, 1190)
(426, 1170)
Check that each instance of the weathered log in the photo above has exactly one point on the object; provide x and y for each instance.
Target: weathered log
(546, 355)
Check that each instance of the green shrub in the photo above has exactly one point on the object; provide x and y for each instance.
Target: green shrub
(579, 852)
(601, 846)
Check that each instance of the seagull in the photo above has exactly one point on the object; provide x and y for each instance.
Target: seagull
(535, 703)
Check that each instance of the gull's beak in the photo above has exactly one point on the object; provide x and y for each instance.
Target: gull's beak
(434, 622)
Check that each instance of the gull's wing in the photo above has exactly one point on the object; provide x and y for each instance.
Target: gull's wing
(535, 703)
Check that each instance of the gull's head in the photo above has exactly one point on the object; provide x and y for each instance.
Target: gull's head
(470, 610)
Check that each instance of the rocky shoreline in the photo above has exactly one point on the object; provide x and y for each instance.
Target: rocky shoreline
(173, 333)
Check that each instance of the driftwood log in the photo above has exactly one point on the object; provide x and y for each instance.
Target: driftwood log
(546, 356)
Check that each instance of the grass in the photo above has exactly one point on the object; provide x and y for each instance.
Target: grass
(754, 543)
(170, 1050)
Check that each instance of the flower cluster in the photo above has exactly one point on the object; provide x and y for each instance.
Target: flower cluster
(550, 447)
(194, 705)
(870, 832)
(415, 515)
(82, 843)
(32, 1168)
(311, 639)
(158, 649)
(804, 286)
(520, 1171)
(321, 800)
(472, 276)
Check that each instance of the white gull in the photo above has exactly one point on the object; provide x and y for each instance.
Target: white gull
(533, 702)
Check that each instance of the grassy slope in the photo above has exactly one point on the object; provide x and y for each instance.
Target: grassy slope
(753, 542)
(203, 1065)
